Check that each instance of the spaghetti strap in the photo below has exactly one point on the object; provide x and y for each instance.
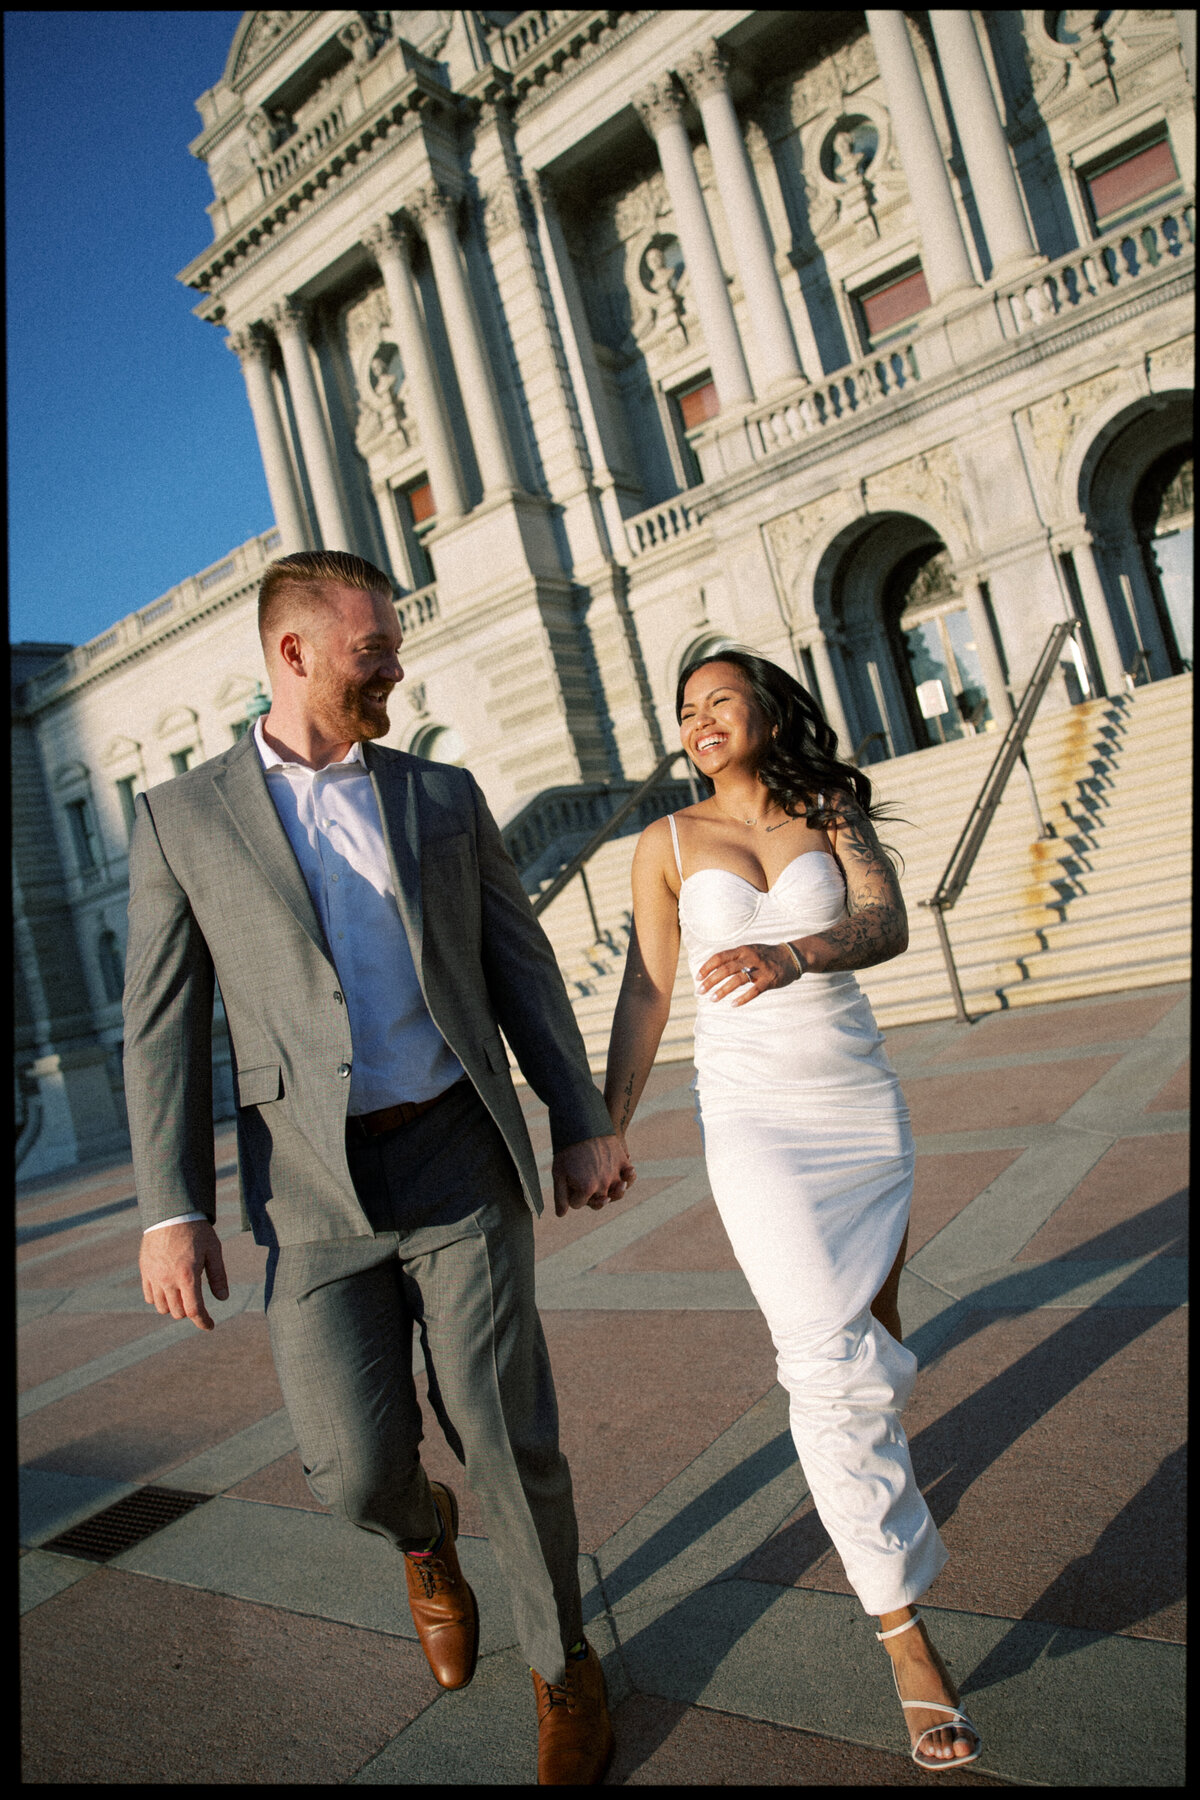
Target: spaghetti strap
(675, 842)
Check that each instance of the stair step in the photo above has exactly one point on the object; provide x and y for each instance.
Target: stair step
(1039, 919)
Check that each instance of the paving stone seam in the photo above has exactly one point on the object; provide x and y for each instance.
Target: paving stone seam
(998, 1223)
(114, 1362)
(1014, 1059)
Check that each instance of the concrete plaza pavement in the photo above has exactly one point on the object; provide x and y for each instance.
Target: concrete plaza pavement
(259, 1640)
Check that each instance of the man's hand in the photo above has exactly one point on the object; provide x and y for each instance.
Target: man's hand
(591, 1173)
(172, 1261)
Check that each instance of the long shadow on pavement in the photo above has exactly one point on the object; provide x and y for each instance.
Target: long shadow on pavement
(1012, 1402)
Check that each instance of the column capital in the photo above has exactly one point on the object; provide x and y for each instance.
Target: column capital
(432, 202)
(706, 70)
(658, 104)
(289, 316)
(387, 236)
(249, 344)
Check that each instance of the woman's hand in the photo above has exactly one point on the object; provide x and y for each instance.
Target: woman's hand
(761, 966)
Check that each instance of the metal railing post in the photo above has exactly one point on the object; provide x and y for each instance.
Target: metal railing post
(598, 838)
(987, 803)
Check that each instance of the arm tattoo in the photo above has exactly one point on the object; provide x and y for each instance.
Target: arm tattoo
(627, 1108)
(876, 928)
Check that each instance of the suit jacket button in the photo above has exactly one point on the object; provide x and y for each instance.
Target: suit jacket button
(337, 996)
(343, 1068)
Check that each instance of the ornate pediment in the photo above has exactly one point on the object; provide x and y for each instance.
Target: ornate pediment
(259, 38)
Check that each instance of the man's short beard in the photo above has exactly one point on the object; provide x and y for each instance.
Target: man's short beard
(346, 717)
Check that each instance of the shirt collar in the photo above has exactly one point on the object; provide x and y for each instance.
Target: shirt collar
(272, 760)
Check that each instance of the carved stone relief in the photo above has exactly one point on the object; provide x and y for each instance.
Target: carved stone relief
(932, 479)
(791, 537)
(1055, 421)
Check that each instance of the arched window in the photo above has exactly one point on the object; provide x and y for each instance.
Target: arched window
(440, 743)
(1163, 516)
(112, 964)
(923, 608)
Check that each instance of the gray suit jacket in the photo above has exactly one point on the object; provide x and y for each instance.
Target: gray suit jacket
(215, 890)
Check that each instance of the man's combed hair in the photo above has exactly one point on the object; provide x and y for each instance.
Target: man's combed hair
(801, 760)
(296, 584)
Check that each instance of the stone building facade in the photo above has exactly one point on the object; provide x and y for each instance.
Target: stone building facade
(862, 338)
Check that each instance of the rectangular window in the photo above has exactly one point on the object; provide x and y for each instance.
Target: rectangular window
(417, 513)
(180, 759)
(127, 788)
(888, 304)
(1128, 182)
(82, 837)
(691, 407)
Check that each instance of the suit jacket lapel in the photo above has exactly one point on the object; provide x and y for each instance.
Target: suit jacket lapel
(396, 792)
(242, 786)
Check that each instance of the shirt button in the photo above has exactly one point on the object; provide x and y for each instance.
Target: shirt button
(333, 878)
(343, 1069)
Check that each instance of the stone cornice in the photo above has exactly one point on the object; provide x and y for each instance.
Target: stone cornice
(325, 178)
(534, 84)
(932, 393)
(83, 678)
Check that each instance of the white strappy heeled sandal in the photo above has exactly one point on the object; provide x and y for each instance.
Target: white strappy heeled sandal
(957, 1718)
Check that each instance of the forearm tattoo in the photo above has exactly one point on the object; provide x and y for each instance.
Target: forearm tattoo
(877, 928)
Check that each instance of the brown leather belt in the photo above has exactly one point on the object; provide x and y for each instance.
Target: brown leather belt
(374, 1124)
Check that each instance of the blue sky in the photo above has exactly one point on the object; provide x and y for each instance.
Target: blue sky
(131, 452)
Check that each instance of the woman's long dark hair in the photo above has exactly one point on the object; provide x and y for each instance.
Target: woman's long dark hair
(801, 759)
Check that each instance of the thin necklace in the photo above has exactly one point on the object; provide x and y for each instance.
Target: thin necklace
(753, 823)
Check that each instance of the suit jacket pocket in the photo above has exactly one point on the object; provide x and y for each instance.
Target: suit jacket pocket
(256, 1086)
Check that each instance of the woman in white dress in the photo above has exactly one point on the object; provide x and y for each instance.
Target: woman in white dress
(780, 889)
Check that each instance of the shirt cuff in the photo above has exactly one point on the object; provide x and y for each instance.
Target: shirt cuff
(179, 1219)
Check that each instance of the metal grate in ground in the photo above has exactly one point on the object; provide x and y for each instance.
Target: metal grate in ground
(120, 1526)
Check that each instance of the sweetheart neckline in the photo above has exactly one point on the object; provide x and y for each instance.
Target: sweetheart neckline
(745, 879)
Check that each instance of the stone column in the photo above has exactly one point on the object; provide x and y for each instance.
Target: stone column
(705, 75)
(391, 248)
(999, 698)
(288, 322)
(435, 212)
(661, 110)
(590, 398)
(255, 357)
(947, 265)
(984, 143)
(1099, 616)
(830, 696)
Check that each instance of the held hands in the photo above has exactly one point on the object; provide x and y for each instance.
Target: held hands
(591, 1173)
(756, 967)
(172, 1261)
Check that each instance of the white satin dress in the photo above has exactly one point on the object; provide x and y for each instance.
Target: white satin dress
(810, 1161)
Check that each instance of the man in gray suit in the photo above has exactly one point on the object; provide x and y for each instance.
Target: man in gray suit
(371, 938)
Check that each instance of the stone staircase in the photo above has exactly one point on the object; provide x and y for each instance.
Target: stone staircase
(1101, 906)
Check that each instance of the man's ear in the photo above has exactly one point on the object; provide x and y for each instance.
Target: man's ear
(293, 653)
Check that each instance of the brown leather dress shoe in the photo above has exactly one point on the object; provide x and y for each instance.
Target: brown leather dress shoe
(443, 1606)
(575, 1735)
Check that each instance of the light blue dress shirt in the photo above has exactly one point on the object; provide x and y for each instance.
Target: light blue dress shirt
(331, 818)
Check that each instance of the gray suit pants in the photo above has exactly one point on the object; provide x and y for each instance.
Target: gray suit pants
(453, 1255)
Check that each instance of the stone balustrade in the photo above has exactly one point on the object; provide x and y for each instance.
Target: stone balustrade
(528, 32)
(417, 609)
(1129, 254)
(659, 526)
(302, 149)
(794, 417)
(232, 572)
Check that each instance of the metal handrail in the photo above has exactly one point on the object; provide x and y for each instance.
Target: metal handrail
(577, 862)
(970, 843)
